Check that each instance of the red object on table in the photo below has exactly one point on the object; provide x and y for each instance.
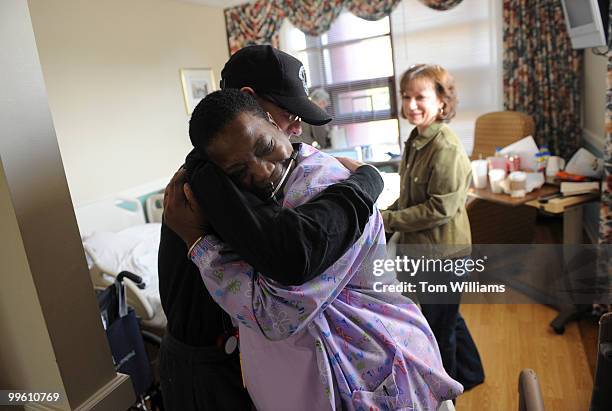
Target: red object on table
(565, 176)
(513, 163)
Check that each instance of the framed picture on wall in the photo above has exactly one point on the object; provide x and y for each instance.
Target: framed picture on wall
(197, 83)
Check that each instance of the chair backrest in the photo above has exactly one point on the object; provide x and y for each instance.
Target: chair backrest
(499, 129)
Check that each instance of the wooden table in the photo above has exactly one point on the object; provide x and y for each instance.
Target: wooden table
(505, 199)
(570, 207)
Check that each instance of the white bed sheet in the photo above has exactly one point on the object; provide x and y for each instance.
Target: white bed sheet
(133, 249)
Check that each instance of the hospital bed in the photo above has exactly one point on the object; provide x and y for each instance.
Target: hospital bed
(116, 237)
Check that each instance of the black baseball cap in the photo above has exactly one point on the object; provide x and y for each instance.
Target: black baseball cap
(271, 72)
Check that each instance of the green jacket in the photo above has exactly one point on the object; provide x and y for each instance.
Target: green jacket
(435, 175)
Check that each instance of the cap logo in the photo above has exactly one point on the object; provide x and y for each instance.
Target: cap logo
(302, 76)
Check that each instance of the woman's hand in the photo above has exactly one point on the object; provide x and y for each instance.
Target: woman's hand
(349, 163)
(182, 212)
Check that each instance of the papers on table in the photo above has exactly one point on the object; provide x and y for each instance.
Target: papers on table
(571, 189)
(533, 181)
(526, 148)
(585, 164)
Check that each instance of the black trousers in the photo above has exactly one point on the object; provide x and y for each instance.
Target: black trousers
(457, 348)
(200, 378)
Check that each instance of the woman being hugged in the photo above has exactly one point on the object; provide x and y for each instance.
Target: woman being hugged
(435, 176)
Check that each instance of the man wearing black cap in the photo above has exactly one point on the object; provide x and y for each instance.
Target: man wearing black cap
(199, 366)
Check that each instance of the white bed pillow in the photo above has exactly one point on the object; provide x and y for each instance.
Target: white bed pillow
(133, 249)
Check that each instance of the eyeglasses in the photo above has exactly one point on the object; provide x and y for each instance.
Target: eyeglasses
(292, 117)
(288, 115)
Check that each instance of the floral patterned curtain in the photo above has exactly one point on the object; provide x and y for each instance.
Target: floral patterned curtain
(605, 220)
(371, 10)
(253, 23)
(313, 17)
(259, 22)
(441, 4)
(604, 265)
(542, 72)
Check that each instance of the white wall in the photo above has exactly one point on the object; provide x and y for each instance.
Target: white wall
(465, 40)
(112, 74)
(593, 119)
(594, 95)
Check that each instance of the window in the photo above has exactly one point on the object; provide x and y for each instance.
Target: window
(353, 62)
(465, 40)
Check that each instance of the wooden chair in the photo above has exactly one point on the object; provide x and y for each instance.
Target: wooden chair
(499, 129)
(493, 223)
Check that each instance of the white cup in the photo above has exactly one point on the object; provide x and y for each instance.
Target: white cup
(496, 176)
(518, 184)
(479, 173)
(553, 166)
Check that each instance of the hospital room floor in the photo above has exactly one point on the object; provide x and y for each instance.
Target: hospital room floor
(511, 337)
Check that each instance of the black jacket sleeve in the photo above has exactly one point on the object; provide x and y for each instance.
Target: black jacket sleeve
(290, 246)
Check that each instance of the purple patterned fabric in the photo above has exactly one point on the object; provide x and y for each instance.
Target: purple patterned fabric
(371, 349)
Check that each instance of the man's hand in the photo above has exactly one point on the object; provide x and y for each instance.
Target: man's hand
(182, 212)
(349, 163)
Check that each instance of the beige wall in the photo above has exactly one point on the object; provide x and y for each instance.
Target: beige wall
(594, 94)
(52, 339)
(112, 74)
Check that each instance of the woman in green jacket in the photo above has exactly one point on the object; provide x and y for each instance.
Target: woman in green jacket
(435, 175)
